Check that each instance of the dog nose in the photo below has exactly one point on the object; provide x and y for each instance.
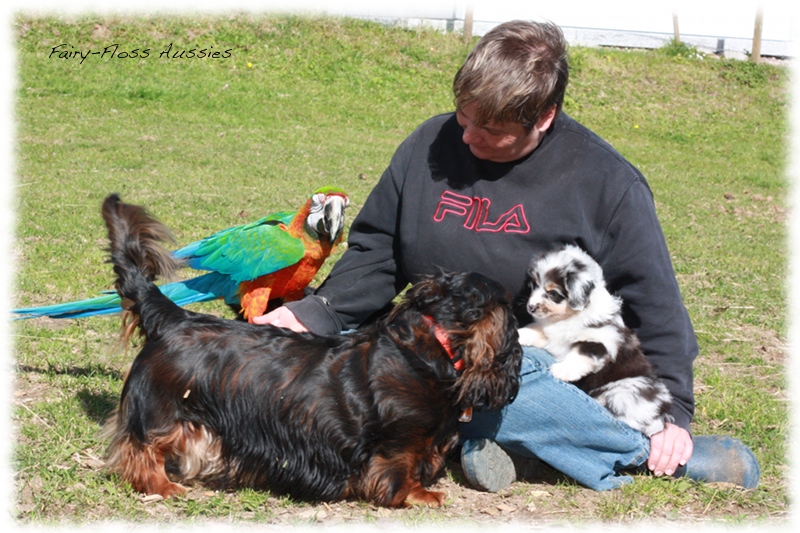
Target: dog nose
(532, 308)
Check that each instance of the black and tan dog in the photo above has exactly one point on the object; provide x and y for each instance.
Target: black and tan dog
(369, 415)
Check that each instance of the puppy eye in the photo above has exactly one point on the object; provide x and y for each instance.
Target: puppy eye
(555, 295)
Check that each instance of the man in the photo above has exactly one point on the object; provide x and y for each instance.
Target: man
(484, 189)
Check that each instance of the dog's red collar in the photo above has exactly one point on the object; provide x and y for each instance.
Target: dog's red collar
(444, 340)
(458, 362)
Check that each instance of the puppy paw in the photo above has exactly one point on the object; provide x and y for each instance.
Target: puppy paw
(565, 372)
(529, 336)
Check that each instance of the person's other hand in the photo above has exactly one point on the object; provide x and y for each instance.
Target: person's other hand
(669, 448)
(281, 317)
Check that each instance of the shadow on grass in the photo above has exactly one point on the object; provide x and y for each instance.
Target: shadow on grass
(96, 405)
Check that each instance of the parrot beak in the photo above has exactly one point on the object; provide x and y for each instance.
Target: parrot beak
(332, 221)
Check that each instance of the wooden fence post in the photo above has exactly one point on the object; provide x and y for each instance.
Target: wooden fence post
(468, 16)
(675, 27)
(755, 55)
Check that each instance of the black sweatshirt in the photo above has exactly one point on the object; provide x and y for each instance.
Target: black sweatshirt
(437, 207)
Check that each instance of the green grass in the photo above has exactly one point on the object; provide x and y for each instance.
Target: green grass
(300, 103)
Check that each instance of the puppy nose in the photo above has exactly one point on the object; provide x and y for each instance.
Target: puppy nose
(532, 308)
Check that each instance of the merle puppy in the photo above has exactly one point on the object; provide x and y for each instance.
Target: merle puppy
(580, 323)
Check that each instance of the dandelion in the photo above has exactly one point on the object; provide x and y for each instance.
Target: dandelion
(249, 65)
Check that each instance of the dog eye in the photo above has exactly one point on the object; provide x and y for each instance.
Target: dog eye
(555, 295)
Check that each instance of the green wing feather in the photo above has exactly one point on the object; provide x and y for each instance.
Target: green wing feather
(248, 251)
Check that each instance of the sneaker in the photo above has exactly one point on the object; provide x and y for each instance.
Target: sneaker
(489, 468)
(723, 459)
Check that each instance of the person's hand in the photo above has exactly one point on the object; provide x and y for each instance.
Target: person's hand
(669, 448)
(281, 317)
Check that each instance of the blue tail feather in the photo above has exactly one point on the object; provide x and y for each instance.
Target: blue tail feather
(203, 288)
(99, 305)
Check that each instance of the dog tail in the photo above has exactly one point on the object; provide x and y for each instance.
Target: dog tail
(138, 259)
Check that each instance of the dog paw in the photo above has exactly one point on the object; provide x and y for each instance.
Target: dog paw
(176, 490)
(156, 484)
(565, 372)
(429, 498)
(168, 490)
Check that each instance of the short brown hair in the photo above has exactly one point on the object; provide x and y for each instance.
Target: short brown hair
(515, 73)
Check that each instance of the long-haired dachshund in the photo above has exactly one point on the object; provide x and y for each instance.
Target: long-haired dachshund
(370, 415)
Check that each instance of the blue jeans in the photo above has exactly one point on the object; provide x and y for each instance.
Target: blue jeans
(562, 426)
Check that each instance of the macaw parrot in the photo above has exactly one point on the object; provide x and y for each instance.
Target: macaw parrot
(250, 266)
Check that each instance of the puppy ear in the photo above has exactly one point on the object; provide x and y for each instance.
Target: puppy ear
(579, 285)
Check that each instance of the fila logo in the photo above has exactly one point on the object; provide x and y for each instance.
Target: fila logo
(475, 212)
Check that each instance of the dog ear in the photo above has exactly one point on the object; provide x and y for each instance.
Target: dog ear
(579, 284)
(420, 295)
(492, 357)
(423, 293)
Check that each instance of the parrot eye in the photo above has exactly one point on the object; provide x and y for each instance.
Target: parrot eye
(317, 202)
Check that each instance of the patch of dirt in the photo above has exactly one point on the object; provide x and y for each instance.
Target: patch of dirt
(747, 205)
(770, 345)
(765, 344)
(536, 503)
